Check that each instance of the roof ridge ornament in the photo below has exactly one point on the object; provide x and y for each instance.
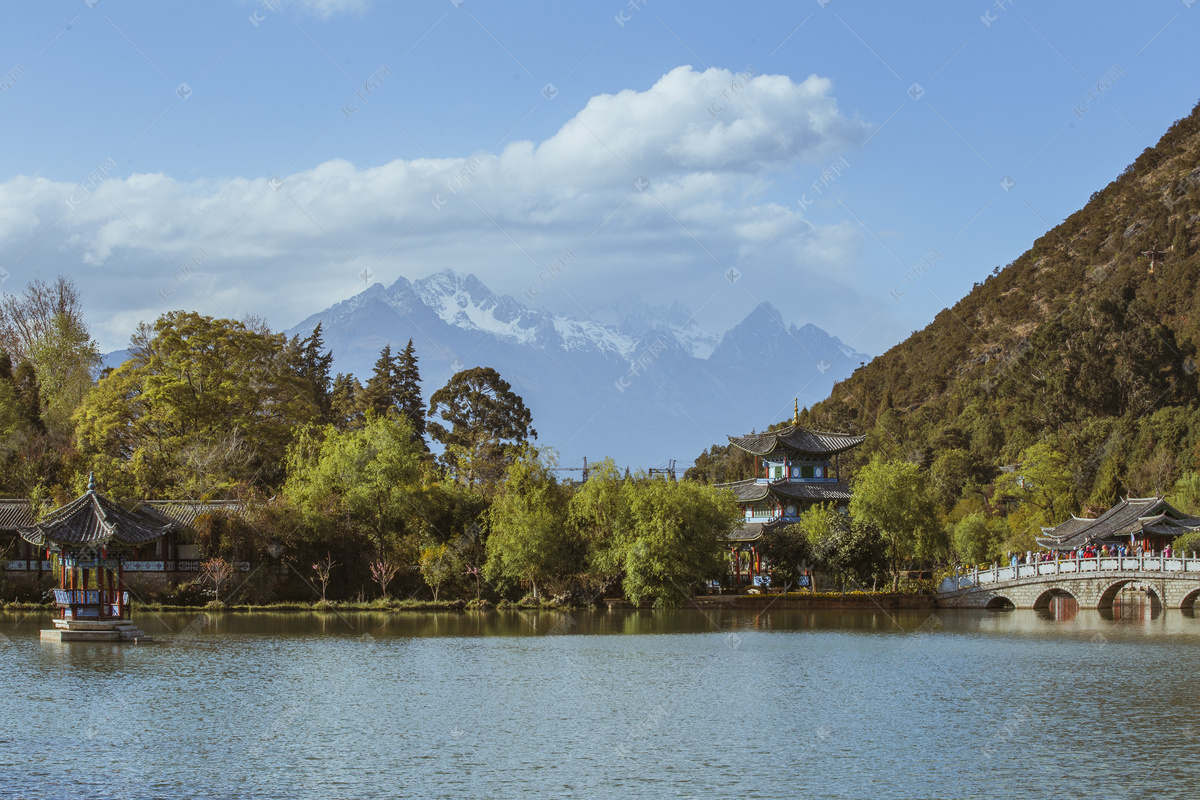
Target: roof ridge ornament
(796, 411)
(91, 483)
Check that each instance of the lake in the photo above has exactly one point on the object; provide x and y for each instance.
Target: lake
(607, 704)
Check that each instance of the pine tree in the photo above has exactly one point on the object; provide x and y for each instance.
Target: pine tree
(379, 395)
(344, 401)
(408, 391)
(6, 370)
(314, 368)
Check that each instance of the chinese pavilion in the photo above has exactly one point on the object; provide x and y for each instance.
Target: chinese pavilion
(91, 537)
(1150, 523)
(796, 468)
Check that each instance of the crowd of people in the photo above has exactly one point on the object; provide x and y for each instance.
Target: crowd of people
(1087, 551)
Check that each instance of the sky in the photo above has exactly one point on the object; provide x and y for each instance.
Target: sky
(859, 166)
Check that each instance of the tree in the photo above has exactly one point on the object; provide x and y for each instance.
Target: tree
(45, 327)
(324, 569)
(216, 571)
(345, 399)
(674, 537)
(973, 539)
(843, 548)
(1043, 480)
(408, 399)
(201, 406)
(488, 425)
(312, 365)
(439, 563)
(369, 478)
(529, 537)
(596, 513)
(893, 497)
(790, 551)
(379, 395)
(1186, 495)
(382, 572)
(29, 394)
(854, 551)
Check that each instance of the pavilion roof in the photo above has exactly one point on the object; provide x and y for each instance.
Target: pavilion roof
(797, 439)
(93, 519)
(1132, 515)
(18, 513)
(184, 513)
(753, 531)
(749, 491)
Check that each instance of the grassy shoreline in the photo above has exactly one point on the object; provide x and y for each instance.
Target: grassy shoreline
(830, 600)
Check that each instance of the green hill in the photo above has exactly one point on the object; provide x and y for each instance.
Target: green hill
(1075, 344)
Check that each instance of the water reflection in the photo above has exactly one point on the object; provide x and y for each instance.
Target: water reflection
(604, 704)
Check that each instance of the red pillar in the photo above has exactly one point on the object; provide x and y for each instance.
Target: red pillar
(121, 590)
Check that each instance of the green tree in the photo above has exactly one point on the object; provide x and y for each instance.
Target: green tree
(439, 563)
(596, 513)
(368, 479)
(45, 326)
(313, 365)
(345, 400)
(675, 537)
(1042, 480)
(1186, 494)
(378, 397)
(529, 537)
(488, 422)
(893, 497)
(409, 403)
(790, 551)
(973, 539)
(202, 405)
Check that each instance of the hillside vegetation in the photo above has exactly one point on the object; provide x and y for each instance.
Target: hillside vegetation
(1075, 346)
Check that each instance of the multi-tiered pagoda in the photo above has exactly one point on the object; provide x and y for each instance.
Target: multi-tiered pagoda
(795, 468)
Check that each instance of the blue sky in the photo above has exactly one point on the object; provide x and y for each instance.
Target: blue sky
(269, 158)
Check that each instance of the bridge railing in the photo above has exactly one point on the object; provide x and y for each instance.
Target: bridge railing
(1070, 566)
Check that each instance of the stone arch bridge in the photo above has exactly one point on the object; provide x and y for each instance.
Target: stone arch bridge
(1093, 582)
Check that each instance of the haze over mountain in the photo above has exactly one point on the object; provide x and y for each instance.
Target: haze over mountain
(647, 386)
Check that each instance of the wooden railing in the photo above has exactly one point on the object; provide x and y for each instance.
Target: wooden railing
(1076, 566)
(85, 604)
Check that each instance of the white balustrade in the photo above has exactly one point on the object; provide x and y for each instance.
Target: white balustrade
(998, 574)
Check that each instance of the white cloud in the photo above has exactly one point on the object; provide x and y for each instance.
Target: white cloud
(657, 192)
(329, 8)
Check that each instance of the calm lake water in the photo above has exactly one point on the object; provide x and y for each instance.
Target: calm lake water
(621, 704)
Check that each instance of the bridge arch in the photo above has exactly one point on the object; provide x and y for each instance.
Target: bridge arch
(1188, 601)
(1044, 599)
(1000, 602)
(1107, 595)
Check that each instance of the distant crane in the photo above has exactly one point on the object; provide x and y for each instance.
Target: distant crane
(584, 469)
(667, 470)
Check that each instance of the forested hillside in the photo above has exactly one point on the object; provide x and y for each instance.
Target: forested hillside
(1076, 346)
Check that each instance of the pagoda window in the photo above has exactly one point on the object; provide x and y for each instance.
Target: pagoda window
(762, 510)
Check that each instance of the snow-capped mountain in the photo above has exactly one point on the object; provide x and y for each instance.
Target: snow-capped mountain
(649, 386)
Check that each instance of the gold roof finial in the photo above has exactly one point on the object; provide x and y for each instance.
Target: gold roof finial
(796, 412)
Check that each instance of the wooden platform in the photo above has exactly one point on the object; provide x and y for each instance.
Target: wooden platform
(94, 631)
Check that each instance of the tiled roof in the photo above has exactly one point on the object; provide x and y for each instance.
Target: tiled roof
(753, 531)
(185, 513)
(797, 439)
(16, 514)
(1130, 516)
(748, 491)
(94, 519)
